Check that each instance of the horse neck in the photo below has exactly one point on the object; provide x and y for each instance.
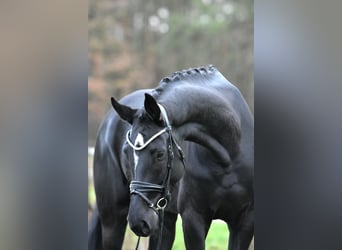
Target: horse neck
(203, 116)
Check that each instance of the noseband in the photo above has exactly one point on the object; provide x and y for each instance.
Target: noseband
(140, 187)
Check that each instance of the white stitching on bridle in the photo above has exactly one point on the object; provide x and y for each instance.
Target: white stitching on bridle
(164, 114)
(138, 148)
(146, 143)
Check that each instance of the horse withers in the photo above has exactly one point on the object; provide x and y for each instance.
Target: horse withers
(141, 176)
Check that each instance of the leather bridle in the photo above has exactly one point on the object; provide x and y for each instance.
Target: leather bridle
(140, 187)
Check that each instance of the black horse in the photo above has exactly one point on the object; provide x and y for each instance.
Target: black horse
(140, 175)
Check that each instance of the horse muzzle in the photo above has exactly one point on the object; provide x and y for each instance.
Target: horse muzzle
(141, 228)
(142, 220)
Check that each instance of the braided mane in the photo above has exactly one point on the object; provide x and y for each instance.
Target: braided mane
(189, 74)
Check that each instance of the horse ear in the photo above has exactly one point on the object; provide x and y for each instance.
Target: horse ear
(152, 108)
(126, 113)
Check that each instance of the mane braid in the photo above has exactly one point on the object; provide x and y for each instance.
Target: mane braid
(188, 74)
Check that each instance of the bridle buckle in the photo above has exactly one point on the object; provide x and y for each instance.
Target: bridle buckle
(161, 203)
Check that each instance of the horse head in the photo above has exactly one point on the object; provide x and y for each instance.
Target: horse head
(155, 170)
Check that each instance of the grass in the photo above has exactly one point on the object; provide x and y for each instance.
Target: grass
(217, 238)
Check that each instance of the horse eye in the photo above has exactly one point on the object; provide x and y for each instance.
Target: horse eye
(160, 155)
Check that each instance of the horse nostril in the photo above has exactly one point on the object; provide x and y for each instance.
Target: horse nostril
(141, 228)
(145, 228)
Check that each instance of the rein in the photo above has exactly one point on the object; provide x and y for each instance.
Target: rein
(140, 187)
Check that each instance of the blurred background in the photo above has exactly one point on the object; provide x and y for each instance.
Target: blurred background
(133, 44)
(44, 112)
